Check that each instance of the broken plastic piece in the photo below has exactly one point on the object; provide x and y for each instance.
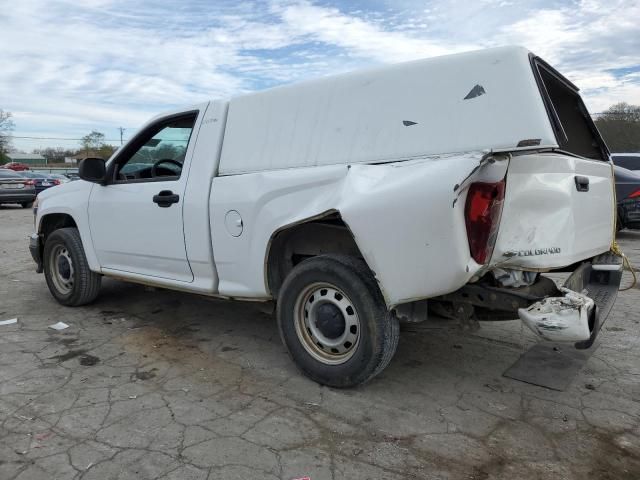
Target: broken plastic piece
(59, 326)
(560, 319)
(408, 123)
(9, 322)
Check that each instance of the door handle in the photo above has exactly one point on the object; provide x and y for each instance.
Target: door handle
(165, 198)
(582, 183)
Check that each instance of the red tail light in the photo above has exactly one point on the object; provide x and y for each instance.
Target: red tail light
(29, 182)
(56, 182)
(482, 215)
(635, 194)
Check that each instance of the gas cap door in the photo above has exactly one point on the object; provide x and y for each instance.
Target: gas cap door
(233, 222)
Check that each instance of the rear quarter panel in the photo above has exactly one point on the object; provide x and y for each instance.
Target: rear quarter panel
(406, 219)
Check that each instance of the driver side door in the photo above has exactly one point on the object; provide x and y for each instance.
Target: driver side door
(136, 220)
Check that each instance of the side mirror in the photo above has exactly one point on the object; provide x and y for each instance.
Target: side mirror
(92, 170)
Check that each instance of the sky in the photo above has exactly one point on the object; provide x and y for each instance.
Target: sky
(69, 67)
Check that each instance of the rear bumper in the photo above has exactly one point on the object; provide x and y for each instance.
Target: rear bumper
(35, 248)
(17, 197)
(578, 315)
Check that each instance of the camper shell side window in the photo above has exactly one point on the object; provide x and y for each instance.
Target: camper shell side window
(574, 129)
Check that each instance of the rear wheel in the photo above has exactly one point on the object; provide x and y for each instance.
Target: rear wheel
(26, 204)
(334, 322)
(66, 269)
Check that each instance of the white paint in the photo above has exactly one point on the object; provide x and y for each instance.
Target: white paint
(133, 234)
(358, 117)
(544, 210)
(71, 198)
(402, 216)
(11, 321)
(560, 319)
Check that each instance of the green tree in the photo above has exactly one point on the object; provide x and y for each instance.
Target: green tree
(6, 127)
(106, 150)
(94, 144)
(620, 127)
(93, 141)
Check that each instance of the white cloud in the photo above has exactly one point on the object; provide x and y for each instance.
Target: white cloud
(70, 67)
(360, 37)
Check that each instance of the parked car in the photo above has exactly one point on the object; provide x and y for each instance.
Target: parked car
(348, 201)
(16, 166)
(60, 177)
(630, 161)
(14, 188)
(628, 198)
(41, 181)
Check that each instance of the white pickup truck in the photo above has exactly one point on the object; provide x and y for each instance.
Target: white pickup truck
(444, 186)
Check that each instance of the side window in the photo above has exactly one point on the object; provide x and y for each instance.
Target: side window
(158, 153)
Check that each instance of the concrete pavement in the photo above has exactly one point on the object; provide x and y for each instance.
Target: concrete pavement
(157, 384)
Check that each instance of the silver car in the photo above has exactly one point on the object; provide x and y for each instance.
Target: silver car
(14, 188)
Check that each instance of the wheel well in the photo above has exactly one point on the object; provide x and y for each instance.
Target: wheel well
(293, 244)
(54, 221)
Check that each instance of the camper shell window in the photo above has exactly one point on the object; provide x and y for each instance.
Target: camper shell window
(575, 131)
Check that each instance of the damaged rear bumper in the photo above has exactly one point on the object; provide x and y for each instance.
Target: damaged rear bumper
(577, 316)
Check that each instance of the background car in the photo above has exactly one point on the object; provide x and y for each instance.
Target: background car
(41, 181)
(72, 176)
(15, 166)
(628, 198)
(14, 188)
(630, 161)
(59, 176)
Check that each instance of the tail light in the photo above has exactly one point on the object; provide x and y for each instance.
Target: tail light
(635, 194)
(482, 216)
(29, 182)
(56, 181)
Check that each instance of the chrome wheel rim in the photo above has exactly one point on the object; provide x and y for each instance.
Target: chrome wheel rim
(61, 267)
(327, 323)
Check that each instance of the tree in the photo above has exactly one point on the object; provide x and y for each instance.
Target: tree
(94, 141)
(94, 144)
(106, 150)
(620, 127)
(55, 155)
(6, 126)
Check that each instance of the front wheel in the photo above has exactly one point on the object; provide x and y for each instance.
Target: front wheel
(66, 269)
(334, 322)
(27, 204)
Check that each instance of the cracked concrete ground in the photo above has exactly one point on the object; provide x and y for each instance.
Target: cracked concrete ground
(156, 384)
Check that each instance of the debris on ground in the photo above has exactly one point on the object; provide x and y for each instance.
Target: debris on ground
(59, 326)
(9, 322)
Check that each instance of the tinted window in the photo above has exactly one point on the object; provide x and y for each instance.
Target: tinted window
(575, 131)
(627, 161)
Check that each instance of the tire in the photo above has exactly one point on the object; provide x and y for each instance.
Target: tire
(27, 204)
(320, 337)
(66, 269)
